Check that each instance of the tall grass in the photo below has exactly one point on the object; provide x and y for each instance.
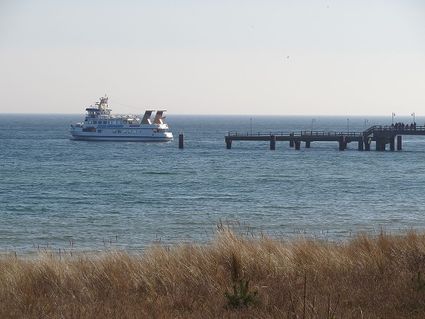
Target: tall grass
(367, 277)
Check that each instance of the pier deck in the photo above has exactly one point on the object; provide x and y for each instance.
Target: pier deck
(381, 135)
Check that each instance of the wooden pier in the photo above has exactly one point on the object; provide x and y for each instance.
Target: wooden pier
(380, 135)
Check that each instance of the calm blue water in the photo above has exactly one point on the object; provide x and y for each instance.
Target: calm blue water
(128, 195)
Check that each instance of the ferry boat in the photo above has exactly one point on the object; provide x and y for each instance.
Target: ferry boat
(100, 125)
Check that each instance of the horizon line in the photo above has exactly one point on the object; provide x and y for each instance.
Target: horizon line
(231, 114)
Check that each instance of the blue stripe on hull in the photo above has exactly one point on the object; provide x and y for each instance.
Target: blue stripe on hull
(122, 138)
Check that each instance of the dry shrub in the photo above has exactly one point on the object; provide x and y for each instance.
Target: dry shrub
(367, 277)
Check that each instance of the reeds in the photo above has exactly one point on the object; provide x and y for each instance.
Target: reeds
(367, 277)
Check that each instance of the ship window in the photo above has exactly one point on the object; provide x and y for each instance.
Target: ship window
(99, 131)
(104, 122)
(94, 122)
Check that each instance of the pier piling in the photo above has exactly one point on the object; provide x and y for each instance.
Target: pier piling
(307, 144)
(360, 145)
(380, 144)
(392, 144)
(399, 143)
(367, 144)
(228, 142)
(342, 143)
(297, 145)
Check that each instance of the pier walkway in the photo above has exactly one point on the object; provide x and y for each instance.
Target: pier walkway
(381, 135)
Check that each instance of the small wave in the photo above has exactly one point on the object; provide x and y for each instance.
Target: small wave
(159, 173)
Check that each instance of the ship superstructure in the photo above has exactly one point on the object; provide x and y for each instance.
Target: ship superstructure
(100, 125)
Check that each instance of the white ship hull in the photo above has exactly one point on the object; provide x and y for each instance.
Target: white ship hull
(100, 125)
(121, 135)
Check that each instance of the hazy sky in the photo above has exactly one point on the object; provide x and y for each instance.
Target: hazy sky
(214, 57)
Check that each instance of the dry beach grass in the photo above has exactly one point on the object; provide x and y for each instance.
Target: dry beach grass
(232, 277)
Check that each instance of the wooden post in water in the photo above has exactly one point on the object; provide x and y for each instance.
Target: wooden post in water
(181, 141)
(307, 144)
(272, 142)
(291, 141)
(399, 143)
(297, 145)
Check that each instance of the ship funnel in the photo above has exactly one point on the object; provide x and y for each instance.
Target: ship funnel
(147, 117)
(159, 117)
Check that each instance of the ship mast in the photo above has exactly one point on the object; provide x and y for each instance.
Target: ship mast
(103, 106)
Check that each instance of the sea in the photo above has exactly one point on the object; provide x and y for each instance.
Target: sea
(57, 193)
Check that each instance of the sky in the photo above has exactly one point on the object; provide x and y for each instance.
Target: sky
(214, 57)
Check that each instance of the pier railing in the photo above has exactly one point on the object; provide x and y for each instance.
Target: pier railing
(330, 133)
(369, 131)
(294, 134)
(390, 128)
(235, 133)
